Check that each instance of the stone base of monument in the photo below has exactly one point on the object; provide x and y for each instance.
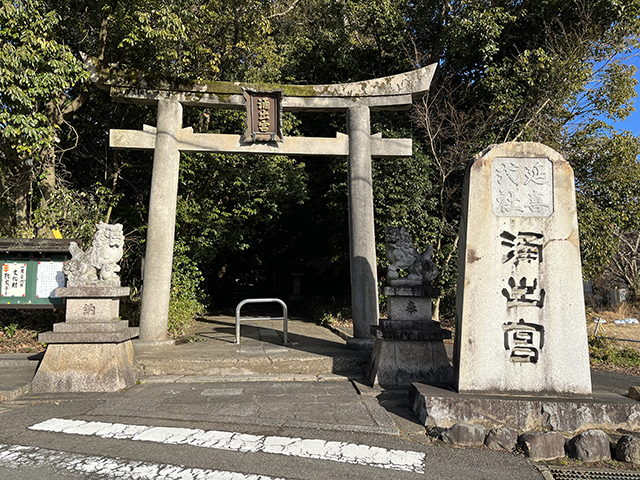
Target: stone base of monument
(442, 407)
(404, 354)
(409, 346)
(91, 351)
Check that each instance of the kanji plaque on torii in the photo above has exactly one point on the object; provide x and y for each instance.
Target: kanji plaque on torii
(264, 115)
(264, 104)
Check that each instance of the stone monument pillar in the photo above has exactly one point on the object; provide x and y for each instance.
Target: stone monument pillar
(91, 350)
(409, 345)
(520, 320)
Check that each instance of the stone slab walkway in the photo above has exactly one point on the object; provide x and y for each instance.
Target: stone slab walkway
(312, 349)
(321, 404)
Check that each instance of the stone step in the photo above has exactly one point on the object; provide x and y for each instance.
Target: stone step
(89, 337)
(20, 360)
(98, 327)
(252, 364)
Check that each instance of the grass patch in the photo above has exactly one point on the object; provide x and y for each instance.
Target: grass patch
(19, 329)
(603, 351)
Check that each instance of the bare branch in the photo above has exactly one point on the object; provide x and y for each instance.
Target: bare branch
(280, 14)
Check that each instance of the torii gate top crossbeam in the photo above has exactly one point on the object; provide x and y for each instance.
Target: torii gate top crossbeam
(395, 92)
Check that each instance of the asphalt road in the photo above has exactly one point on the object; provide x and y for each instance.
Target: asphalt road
(181, 432)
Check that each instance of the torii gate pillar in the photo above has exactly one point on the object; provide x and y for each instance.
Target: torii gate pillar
(362, 242)
(156, 290)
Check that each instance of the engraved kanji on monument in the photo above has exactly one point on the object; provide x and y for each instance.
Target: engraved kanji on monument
(520, 319)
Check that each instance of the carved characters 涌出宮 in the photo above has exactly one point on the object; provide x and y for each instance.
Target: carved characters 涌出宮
(403, 256)
(523, 341)
(523, 253)
(98, 266)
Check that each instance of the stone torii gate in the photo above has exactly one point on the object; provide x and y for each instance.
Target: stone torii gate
(265, 104)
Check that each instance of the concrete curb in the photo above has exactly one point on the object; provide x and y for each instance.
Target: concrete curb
(16, 373)
(12, 394)
(15, 382)
(343, 333)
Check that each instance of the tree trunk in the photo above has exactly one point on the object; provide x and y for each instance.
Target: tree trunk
(22, 190)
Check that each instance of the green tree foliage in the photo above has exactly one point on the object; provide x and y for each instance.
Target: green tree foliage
(195, 40)
(605, 163)
(536, 71)
(37, 73)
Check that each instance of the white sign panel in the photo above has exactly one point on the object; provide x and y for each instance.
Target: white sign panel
(50, 277)
(14, 279)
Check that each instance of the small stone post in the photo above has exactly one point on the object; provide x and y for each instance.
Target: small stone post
(161, 232)
(364, 276)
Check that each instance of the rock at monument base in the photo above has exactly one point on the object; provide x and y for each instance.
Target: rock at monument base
(468, 434)
(590, 446)
(441, 407)
(628, 449)
(501, 438)
(102, 367)
(399, 363)
(542, 445)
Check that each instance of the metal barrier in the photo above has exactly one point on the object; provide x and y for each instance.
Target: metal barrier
(284, 317)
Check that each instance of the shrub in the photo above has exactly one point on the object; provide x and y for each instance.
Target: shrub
(187, 300)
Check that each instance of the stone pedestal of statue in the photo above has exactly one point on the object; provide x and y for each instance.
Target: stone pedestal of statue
(91, 350)
(409, 346)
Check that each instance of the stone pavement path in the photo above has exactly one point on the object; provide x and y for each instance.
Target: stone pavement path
(328, 405)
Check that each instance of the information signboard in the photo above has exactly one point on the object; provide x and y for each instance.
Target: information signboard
(31, 271)
(50, 277)
(14, 280)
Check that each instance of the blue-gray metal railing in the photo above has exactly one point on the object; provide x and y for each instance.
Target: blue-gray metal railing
(285, 316)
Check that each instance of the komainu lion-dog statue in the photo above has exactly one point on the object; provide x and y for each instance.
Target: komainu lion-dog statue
(98, 266)
(402, 255)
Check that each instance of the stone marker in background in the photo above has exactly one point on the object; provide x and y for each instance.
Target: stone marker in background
(91, 351)
(409, 345)
(520, 320)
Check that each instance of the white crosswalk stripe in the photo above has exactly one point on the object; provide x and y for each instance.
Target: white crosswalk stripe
(22, 457)
(404, 460)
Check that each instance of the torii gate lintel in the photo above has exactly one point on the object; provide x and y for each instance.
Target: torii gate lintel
(187, 141)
